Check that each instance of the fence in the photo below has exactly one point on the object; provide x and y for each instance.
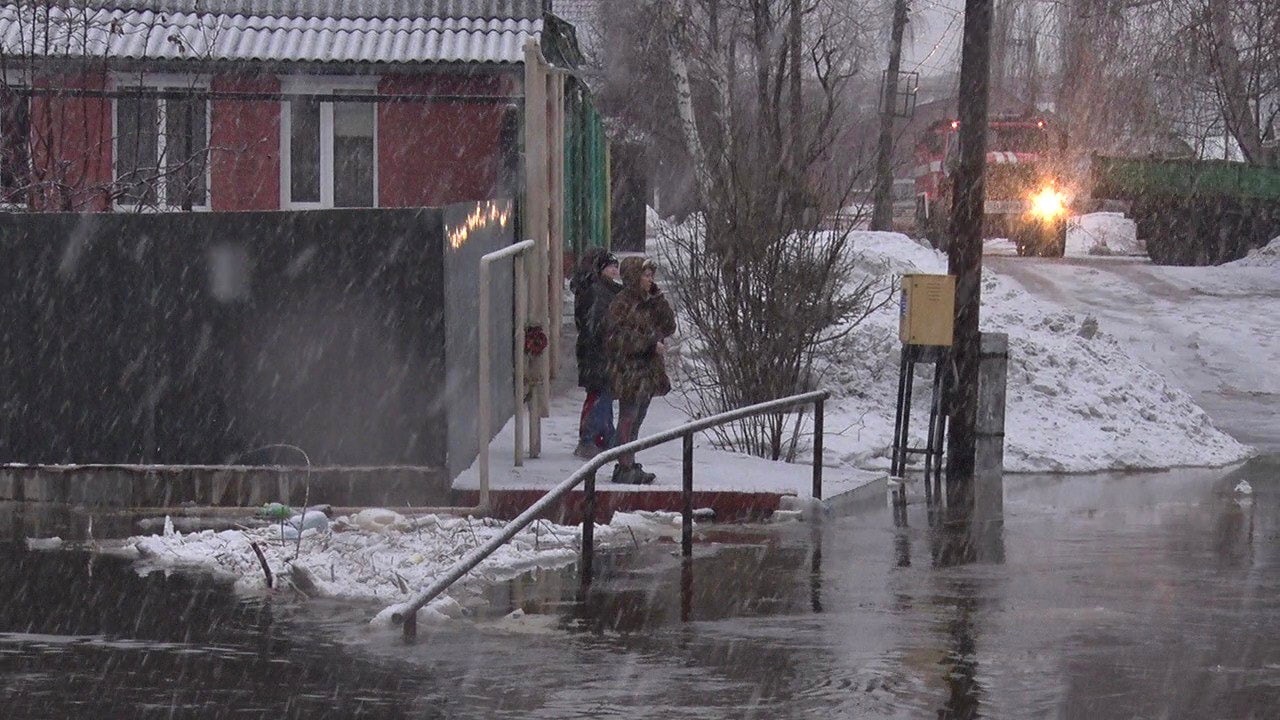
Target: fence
(197, 338)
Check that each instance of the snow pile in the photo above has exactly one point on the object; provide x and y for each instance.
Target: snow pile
(1103, 233)
(366, 558)
(1266, 256)
(1077, 401)
(654, 225)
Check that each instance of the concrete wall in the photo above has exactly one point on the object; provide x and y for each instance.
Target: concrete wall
(123, 486)
(462, 286)
(201, 338)
(191, 342)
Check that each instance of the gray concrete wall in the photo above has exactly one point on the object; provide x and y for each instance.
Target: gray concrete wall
(135, 486)
(988, 485)
(462, 324)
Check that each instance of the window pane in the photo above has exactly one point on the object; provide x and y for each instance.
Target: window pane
(137, 141)
(353, 154)
(185, 152)
(15, 129)
(304, 151)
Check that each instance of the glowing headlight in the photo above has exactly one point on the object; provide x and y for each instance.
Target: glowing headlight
(1048, 204)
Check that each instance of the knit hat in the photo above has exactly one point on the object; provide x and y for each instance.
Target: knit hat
(604, 260)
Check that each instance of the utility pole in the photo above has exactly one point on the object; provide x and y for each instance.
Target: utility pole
(964, 256)
(882, 214)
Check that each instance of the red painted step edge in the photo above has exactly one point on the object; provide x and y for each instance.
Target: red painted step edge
(728, 506)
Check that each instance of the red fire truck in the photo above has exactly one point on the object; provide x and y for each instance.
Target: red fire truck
(1026, 200)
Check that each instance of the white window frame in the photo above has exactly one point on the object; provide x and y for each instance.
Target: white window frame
(162, 81)
(14, 80)
(321, 86)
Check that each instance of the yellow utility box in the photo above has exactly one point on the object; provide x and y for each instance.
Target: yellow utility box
(927, 313)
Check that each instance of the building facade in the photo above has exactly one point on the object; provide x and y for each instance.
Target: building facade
(239, 105)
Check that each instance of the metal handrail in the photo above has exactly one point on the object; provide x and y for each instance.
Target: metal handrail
(407, 613)
(514, 251)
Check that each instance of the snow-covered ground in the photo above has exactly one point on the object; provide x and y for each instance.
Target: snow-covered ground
(388, 559)
(1266, 256)
(1078, 400)
(714, 470)
(1103, 233)
(1212, 331)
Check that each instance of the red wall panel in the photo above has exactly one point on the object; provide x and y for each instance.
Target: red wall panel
(440, 151)
(244, 142)
(71, 145)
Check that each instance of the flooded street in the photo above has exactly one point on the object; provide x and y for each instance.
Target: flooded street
(1126, 596)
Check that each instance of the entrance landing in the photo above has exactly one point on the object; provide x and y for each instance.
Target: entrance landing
(736, 487)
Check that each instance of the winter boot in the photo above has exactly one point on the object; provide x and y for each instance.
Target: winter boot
(587, 450)
(644, 478)
(629, 476)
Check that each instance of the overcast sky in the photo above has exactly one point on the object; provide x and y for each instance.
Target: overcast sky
(932, 44)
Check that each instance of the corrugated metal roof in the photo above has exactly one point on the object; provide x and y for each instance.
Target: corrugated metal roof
(386, 9)
(147, 34)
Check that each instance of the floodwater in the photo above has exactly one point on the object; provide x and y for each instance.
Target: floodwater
(1150, 595)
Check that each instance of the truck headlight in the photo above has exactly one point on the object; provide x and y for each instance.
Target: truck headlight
(1048, 204)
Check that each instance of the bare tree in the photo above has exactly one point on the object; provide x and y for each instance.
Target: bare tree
(758, 94)
(1137, 73)
(58, 82)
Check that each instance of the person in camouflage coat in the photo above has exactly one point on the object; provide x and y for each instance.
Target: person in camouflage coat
(640, 320)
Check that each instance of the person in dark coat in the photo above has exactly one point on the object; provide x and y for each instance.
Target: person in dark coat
(640, 320)
(594, 285)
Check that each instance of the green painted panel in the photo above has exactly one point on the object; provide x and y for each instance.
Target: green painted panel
(1126, 177)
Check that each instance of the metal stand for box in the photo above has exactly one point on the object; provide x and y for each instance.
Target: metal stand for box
(913, 355)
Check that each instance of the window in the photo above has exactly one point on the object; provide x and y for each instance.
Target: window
(331, 153)
(353, 153)
(15, 156)
(162, 150)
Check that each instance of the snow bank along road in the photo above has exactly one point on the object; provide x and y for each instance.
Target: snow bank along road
(1079, 400)
(1212, 331)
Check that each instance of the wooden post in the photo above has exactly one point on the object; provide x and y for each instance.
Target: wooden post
(555, 145)
(536, 206)
(965, 252)
(882, 213)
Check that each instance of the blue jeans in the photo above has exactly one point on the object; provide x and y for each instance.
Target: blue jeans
(630, 416)
(596, 424)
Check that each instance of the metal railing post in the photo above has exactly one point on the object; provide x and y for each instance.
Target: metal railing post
(484, 376)
(411, 626)
(686, 529)
(521, 321)
(588, 527)
(482, 386)
(818, 413)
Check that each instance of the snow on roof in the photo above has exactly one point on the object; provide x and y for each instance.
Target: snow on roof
(487, 9)
(364, 31)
